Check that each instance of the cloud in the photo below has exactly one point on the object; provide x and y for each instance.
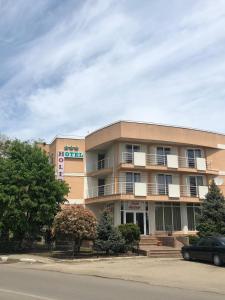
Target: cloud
(79, 65)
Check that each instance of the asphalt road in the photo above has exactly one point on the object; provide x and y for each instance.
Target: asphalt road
(18, 283)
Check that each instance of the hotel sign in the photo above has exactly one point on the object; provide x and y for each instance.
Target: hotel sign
(134, 205)
(60, 166)
(71, 152)
(68, 154)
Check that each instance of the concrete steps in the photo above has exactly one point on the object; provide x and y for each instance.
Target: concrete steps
(148, 241)
(173, 253)
(152, 247)
(160, 252)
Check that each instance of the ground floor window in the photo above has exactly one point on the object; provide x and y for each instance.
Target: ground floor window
(193, 210)
(135, 212)
(167, 216)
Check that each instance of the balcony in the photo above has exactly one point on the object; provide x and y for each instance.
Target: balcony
(100, 191)
(101, 165)
(141, 189)
(141, 159)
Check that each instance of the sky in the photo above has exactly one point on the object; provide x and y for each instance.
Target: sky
(69, 67)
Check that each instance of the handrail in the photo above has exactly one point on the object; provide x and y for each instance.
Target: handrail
(128, 188)
(161, 159)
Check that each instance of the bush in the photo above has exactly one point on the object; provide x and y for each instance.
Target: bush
(131, 234)
(211, 221)
(193, 239)
(75, 223)
(109, 238)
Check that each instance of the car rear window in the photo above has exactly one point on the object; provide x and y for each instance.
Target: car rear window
(205, 242)
(222, 241)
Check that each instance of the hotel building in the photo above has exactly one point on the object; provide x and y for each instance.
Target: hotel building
(153, 175)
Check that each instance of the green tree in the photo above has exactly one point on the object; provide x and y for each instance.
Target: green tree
(4, 144)
(109, 238)
(211, 221)
(131, 234)
(75, 223)
(30, 196)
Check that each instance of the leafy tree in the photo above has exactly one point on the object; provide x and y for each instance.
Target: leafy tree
(211, 221)
(109, 238)
(75, 223)
(30, 196)
(4, 144)
(131, 234)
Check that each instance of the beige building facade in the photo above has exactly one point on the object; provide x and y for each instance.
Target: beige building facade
(67, 155)
(153, 175)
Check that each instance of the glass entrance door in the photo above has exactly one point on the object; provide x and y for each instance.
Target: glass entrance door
(138, 218)
(140, 221)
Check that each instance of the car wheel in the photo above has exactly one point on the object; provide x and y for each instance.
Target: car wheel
(186, 255)
(216, 260)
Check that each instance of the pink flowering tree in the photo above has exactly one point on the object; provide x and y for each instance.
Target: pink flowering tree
(76, 223)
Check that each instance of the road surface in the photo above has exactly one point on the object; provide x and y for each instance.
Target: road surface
(18, 283)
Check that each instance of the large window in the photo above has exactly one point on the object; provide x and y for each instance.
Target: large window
(194, 183)
(193, 210)
(131, 178)
(101, 161)
(162, 153)
(167, 217)
(130, 149)
(163, 181)
(192, 154)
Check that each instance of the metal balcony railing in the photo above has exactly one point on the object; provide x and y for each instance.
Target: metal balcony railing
(189, 191)
(101, 164)
(156, 160)
(104, 163)
(102, 190)
(150, 189)
(127, 158)
(161, 160)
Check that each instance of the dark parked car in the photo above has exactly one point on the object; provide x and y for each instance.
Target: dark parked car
(209, 249)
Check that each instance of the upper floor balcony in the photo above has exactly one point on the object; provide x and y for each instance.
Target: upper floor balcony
(148, 191)
(103, 165)
(164, 162)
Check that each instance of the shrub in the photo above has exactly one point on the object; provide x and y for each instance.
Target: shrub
(193, 239)
(131, 234)
(75, 223)
(211, 221)
(109, 238)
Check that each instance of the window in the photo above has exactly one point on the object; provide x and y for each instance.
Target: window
(101, 186)
(159, 218)
(130, 149)
(163, 180)
(162, 153)
(193, 210)
(167, 217)
(101, 161)
(205, 242)
(131, 178)
(194, 183)
(192, 154)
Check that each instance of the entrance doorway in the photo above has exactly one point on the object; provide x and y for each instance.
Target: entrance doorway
(138, 218)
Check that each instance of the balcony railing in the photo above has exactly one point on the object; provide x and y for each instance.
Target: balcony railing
(127, 158)
(102, 190)
(171, 161)
(102, 164)
(149, 189)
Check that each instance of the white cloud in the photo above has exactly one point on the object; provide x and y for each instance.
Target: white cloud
(109, 60)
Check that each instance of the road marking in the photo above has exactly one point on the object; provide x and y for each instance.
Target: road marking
(26, 294)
